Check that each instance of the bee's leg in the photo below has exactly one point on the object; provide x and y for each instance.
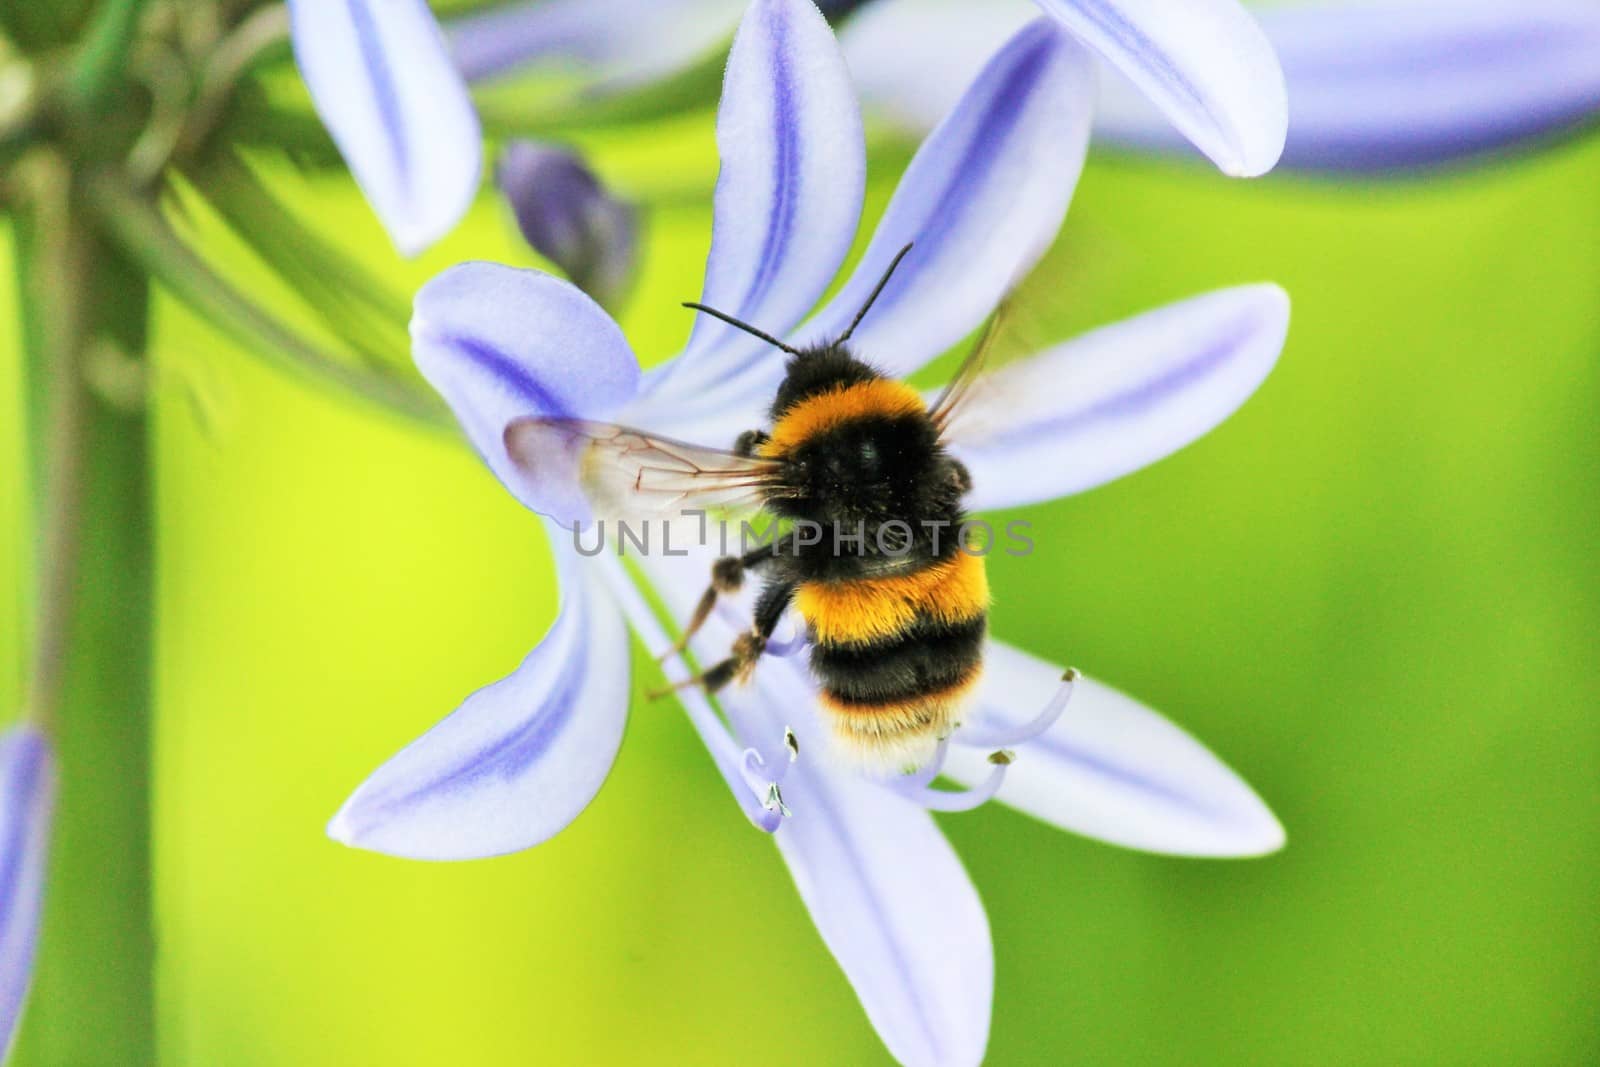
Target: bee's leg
(747, 649)
(749, 443)
(727, 576)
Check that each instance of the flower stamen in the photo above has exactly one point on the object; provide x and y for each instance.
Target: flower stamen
(965, 799)
(924, 775)
(1013, 737)
(774, 801)
(765, 784)
(788, 646)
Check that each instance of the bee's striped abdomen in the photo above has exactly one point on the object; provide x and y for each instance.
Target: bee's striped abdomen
(898, 658)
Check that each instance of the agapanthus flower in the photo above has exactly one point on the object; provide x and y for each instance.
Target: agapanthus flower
(981, 201)
(27, 797)
(1374, 85)
(393, 91)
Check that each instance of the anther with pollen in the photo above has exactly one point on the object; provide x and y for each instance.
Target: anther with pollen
(774, 801)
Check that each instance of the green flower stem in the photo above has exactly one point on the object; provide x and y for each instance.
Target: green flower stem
(92, 1001)
(102, 61)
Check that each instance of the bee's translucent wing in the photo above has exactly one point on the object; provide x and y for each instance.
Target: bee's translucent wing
(957, 393)
(631, 475)
(1085, 411)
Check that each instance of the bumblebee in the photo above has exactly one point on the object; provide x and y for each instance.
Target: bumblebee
(895, 604)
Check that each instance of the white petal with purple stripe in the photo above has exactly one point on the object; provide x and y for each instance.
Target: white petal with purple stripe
(980, 203)
(622, 42)
(27, 796)
(1113, 401)
(912, 59)
(883, 885)
(500, 344)
(1385, 85)
(897, 910)
(385, 87)
(789, 194)
(1112, 769)
(1204, 63)
(520, 758)
(724, 749)
(1411, 82)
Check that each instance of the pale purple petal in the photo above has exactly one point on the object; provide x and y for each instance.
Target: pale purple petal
(620, 42)
(1118, 399)
(912, 59)
(674, 577)
(1383, 85)
(1112, 769)
(897, 910)
(27, 797)
(520, 758)
(1407, 82)
(980, 203)
(789, 194)
(885, 889)
(386, 88)
(500, 344)
(1204, 63)
(568, 217)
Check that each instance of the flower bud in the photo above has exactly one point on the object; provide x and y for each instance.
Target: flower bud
(570, 219)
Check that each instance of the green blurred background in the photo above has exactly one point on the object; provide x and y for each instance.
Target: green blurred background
(1374, 592)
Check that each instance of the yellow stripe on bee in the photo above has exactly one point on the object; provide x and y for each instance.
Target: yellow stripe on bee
(816, 414)
(870, 609)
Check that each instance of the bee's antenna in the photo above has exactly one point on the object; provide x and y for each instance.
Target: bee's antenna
(745, 326)
(883, 281)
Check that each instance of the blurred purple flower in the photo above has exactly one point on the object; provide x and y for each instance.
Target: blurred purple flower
(1374, 85)
(27, 795)
(394, 95)
(1204, 64)
(982, 199)
(613, 44)
(569, 218)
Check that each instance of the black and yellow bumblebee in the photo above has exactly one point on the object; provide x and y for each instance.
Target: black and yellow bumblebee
(894, 603)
